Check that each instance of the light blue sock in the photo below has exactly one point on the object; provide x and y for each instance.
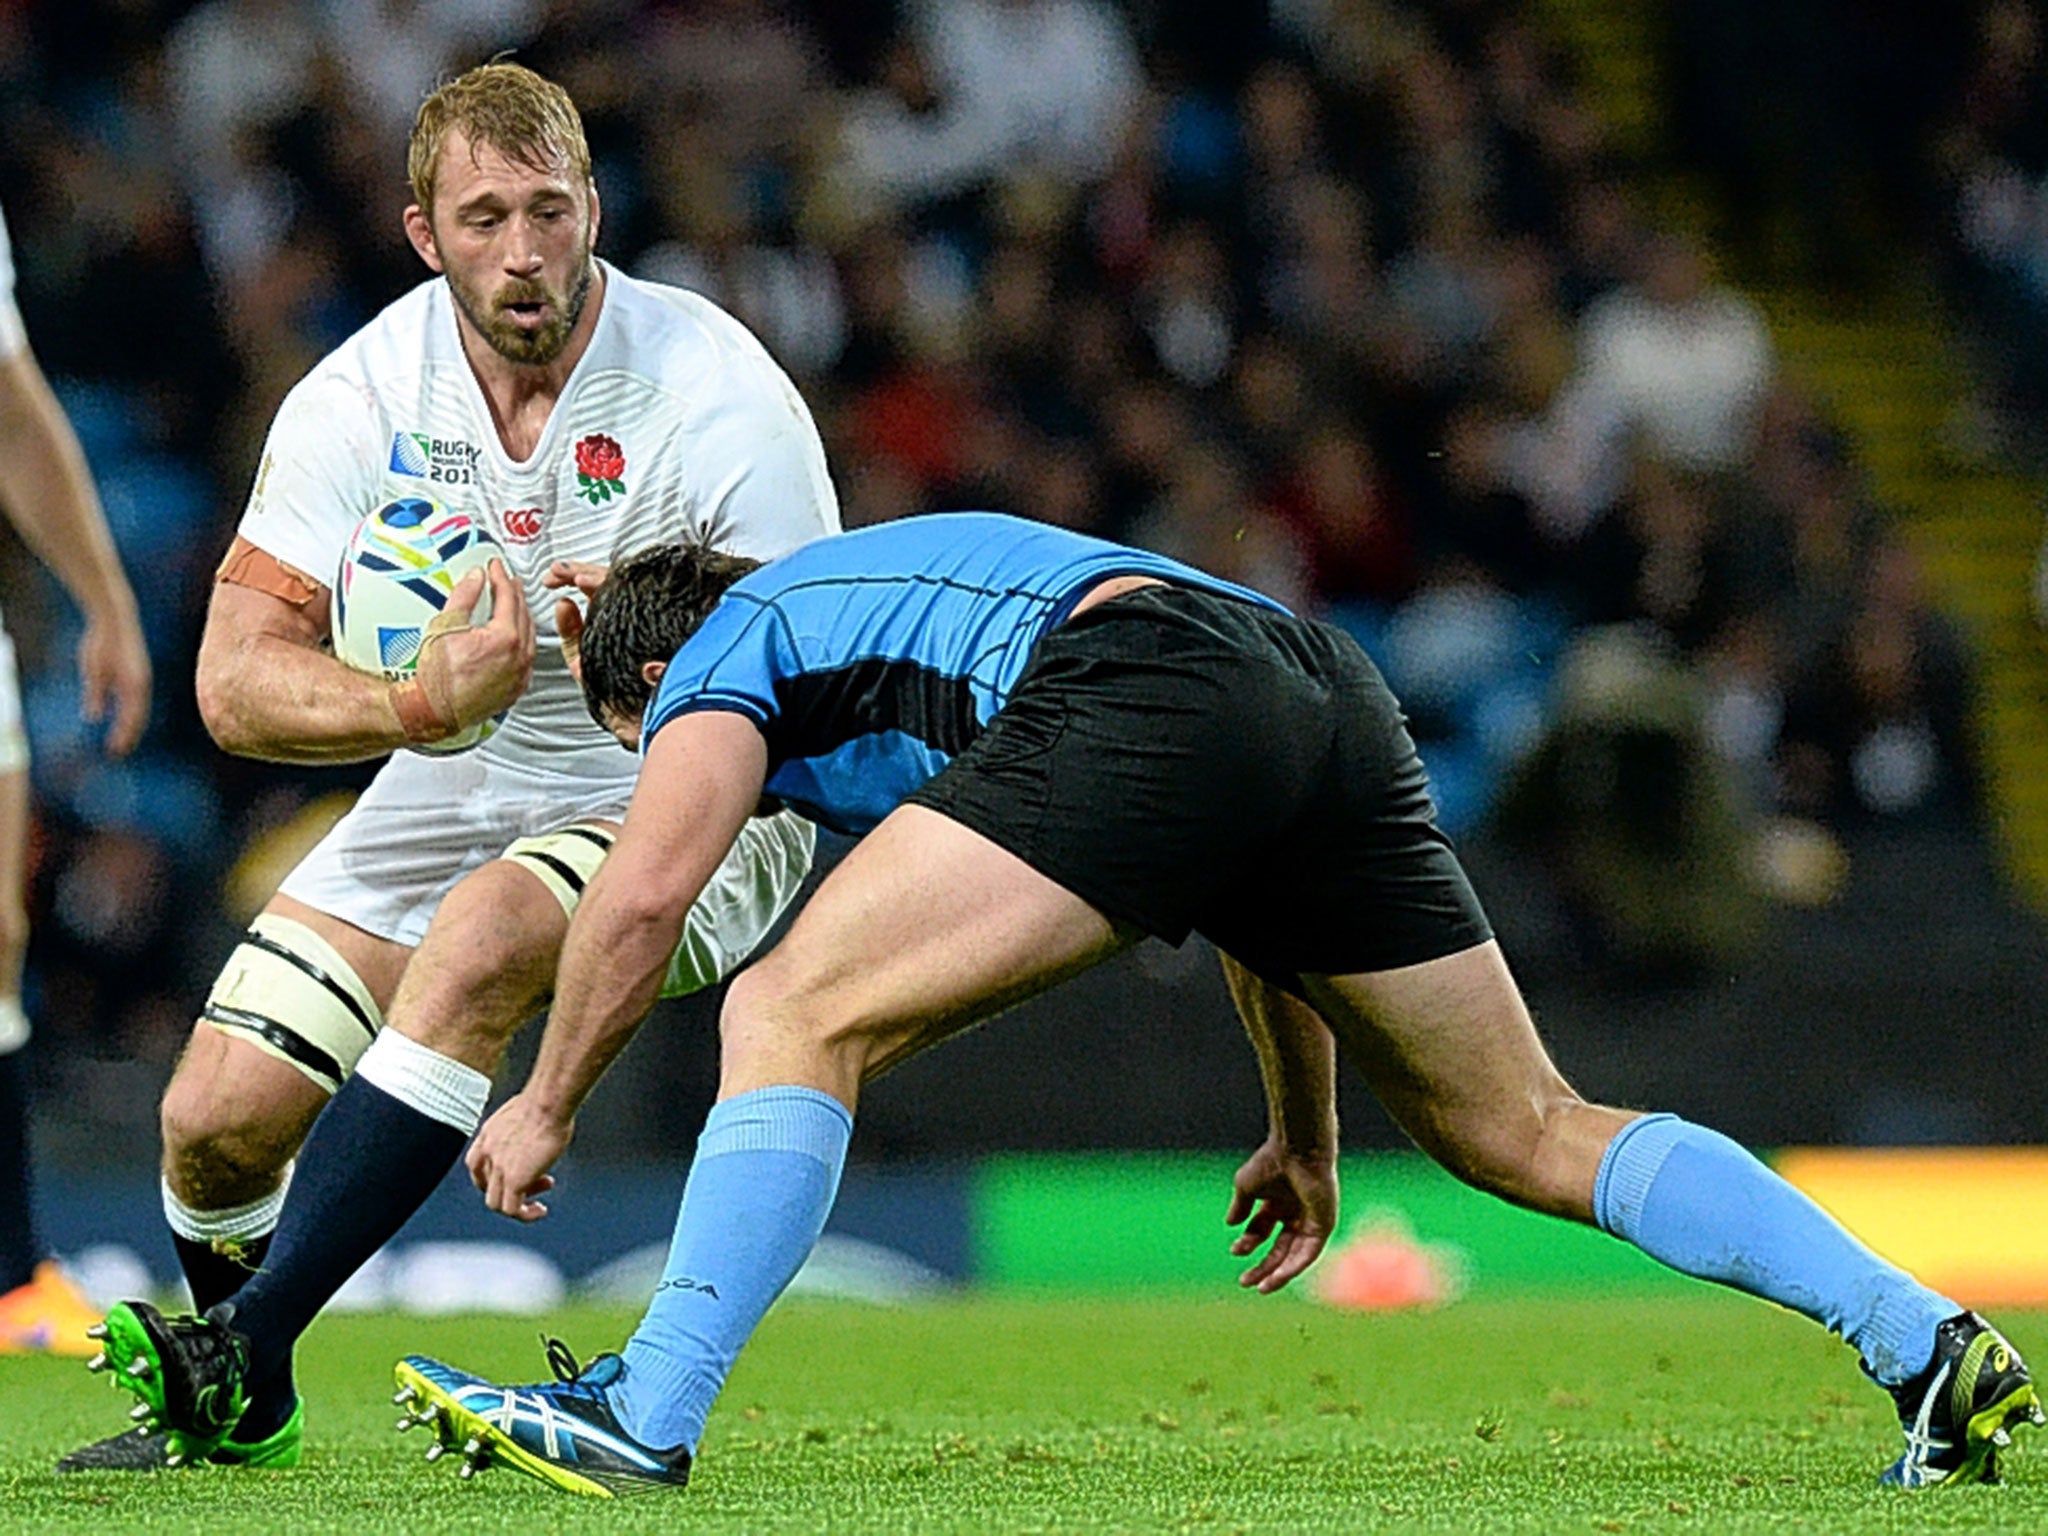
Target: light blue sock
(760, 1188)
(1691, 1198)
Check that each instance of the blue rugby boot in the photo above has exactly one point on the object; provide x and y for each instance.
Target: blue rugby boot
(1960, 1412)
(562, 1432)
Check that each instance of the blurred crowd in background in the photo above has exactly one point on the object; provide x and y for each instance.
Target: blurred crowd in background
(1992, 156)
(1349, 300)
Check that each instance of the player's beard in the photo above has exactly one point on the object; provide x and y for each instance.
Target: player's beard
(514, 342)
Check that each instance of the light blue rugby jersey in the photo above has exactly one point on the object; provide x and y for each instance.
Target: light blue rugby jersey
(870, 659)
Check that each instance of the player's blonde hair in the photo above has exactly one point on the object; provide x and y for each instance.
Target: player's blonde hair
(507, 106)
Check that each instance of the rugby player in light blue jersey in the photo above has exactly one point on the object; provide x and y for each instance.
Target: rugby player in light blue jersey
(1056, 746)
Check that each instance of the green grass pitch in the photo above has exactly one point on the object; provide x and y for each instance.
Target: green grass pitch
(1697, 1413)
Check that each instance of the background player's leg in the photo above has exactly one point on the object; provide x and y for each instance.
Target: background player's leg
(1449, 1048)
(18, 1248)
(925, 928)
(233, 1116)
(39, 1308)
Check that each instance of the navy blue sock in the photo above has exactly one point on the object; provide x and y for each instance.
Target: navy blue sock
(215, 1271)
(762, 1183)
(369, 1162)
(1695, 1200)
(372, 1158)
(18, 1249)
(220, 1252)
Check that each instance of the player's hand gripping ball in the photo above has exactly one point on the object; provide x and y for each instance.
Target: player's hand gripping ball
(397, 572)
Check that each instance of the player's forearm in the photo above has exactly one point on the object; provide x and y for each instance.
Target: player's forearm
(610, 978)
(266, 697)
(1297, 1062)
(1300, 1071)
(699, 778)
(48, 496)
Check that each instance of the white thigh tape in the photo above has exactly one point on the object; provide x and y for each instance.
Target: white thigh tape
(564, 860)
(289, 993)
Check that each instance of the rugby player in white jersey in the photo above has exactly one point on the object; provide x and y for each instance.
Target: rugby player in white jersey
(579, 413)
(47, 494)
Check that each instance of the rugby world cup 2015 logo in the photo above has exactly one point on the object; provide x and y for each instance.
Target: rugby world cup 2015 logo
(410, 454)
(421, 456)
(600, 469)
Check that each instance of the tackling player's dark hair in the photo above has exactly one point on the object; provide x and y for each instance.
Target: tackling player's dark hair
(650, 603)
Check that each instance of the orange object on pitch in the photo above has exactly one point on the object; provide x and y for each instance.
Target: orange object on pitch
(1386, 1267)
(48, 1316)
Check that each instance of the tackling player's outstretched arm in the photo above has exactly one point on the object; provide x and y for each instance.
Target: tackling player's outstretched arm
(48, 495)
(702, 779)
(267, 690)
(1289, 1185)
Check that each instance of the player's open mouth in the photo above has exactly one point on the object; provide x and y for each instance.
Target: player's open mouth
(527, 312)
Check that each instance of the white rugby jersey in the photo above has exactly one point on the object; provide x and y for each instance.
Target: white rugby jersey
(13, 337)
(675, 424)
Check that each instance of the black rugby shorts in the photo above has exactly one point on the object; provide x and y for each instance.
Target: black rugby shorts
(1186, 761)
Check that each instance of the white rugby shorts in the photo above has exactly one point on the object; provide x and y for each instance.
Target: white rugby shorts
(13, 739)
(426, 822)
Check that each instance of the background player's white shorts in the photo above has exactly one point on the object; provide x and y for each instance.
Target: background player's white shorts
(14, 1029)
(424, 823)
(13, 739)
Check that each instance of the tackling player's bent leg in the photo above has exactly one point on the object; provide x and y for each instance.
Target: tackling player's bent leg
(923, 929)
(1450, 1050)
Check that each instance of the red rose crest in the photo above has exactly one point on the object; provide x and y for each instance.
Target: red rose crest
(600, 469)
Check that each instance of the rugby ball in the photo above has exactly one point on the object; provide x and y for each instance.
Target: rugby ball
(397, 572)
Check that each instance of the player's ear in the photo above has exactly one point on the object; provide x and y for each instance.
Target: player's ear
(596, 215)
(419, 229)
(651, 671)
